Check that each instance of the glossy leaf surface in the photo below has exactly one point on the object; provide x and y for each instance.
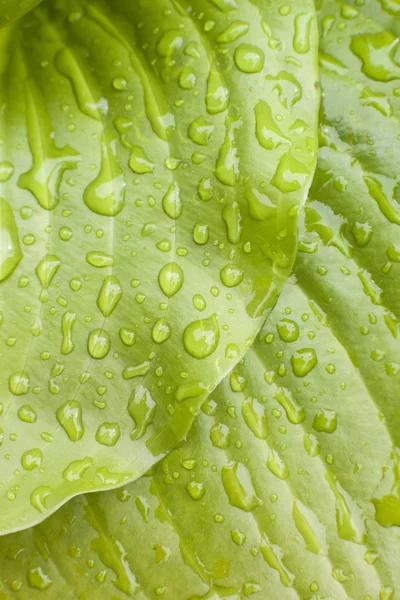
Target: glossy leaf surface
(288, 484)
(154, 160)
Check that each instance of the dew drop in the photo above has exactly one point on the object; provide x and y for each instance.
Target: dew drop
(325, 421)
(99, 259)
(11, 253)
(45, 271)
(201, 233)
(196, 490)
(99, 343)
(31, 459)
(201, 338)
(277, 465)
(220, 436)
(231, 276)
(303, 361)
(108, 434)
(238, 486)
(288, 330)
(109, 295)
(170, 279)
(19, 383)
(200, 131)
(249, 59)
(69, 415)
(142, 409)
(161, 331)
(139, 162)
(172, 203)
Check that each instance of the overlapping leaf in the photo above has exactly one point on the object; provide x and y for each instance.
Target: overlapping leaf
(11, 10)
(288, 485)
(155, 156)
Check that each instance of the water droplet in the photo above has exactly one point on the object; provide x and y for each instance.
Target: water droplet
(187, 78)
(377, 52)
(201, 233)
(277, 465)
(105, 195)
(38, 579)
(227, 167)
(99, 259)
(254, 415)
(39, 497)
(325, 421)
(238, 537)
(191, 389)
(196, 490)
(128, 337)
(260, 206)
(142, 409)
(45, 271)
(108, 434)
(387, 208)
(11, 253)
(31, 459)
(231, 275)
(238, 485)
(71, 64)
(233, 32)
(393, 253)
(199, 302)
(205, 189)
(294, 412)
(139, 163)
(6, 171)
(49, 162)
(170, 279)
(220, 436)
(171, 41)
(370, 287)
(139, 370)
(268, 134)
(237, 382)
(290, 174)
(200, 131)
(303, 361)
(349, 519)
(304, 518)
(69, 415)
(232, 352)
(201, 338)
(99, 343)
(19, 383)
(67, 322)
(27, 414)
(249, 59)
(172, 203)
(233, 220)
(109, 295)
(77, 468)
(288, 330)
(302, 30)
(217, 96)
(161, 331)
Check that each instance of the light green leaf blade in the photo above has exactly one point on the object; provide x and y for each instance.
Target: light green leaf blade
(288, 485)
(154, 163)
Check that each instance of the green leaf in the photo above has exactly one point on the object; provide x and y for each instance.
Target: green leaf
(155, 158)
(288, 484)
(10, 10)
